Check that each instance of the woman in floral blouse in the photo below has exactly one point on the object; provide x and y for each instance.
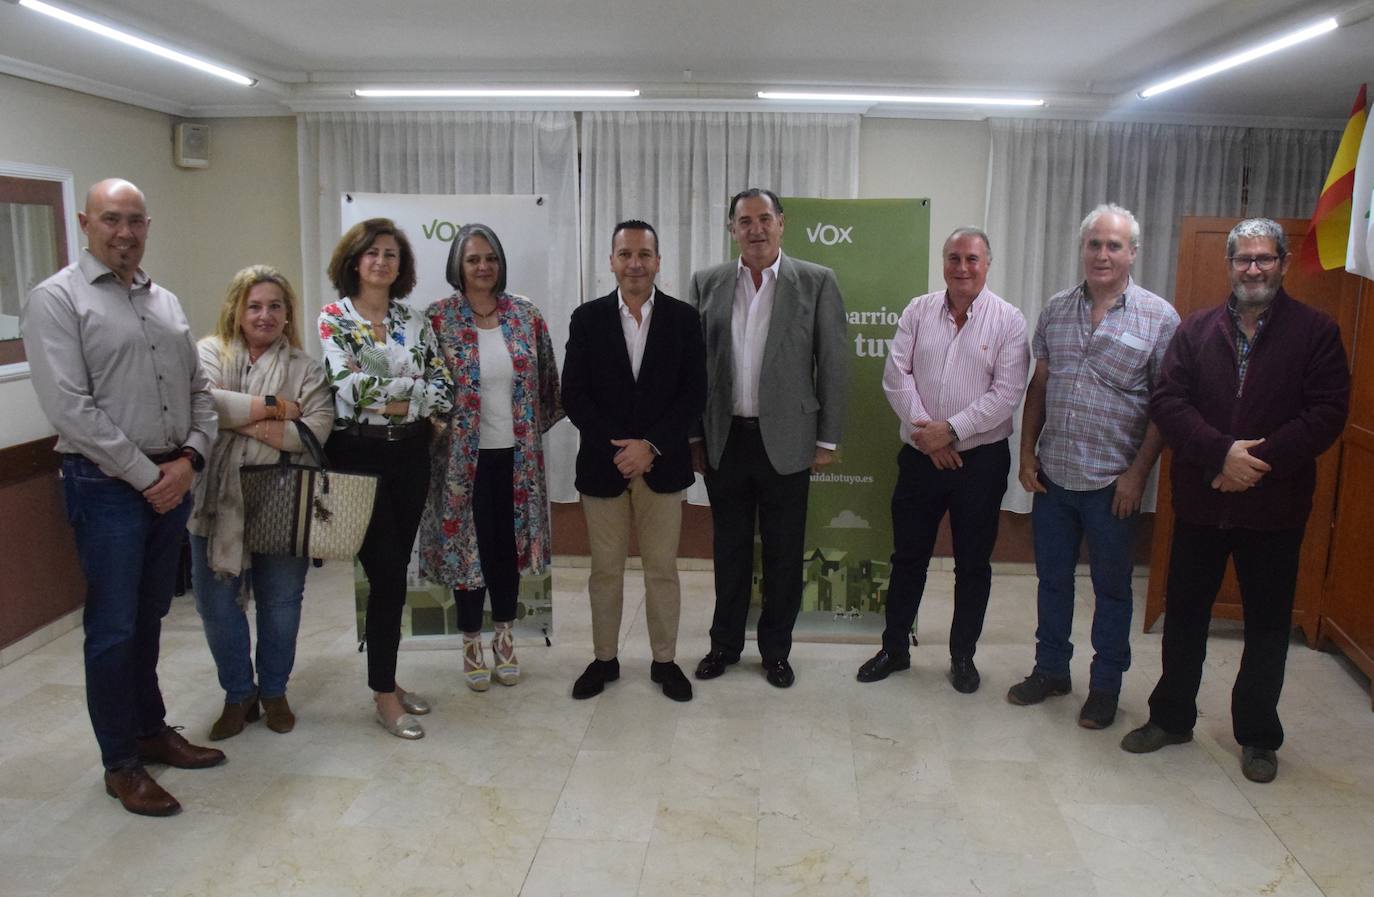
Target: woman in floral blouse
(389, 380)
(487, 519)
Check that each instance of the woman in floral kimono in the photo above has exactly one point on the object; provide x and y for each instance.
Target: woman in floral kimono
(487, 519)
(388, 379)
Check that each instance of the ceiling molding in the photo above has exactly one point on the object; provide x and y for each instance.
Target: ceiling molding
(44, 75)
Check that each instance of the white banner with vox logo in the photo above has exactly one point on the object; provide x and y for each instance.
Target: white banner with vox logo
(430, 222)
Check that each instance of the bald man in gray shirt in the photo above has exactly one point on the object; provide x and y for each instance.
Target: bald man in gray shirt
(116, 372)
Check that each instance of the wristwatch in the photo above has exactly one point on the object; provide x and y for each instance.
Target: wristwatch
(190, 454)
(273, 409)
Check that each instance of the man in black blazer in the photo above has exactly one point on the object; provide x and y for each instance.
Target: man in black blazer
(778, 365)
(634, 382)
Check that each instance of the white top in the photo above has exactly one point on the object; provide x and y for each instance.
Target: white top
(636, 332)
(749, 332)
(497, 378)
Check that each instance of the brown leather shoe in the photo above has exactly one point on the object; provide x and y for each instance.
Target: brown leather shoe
(169, 747)
(139, 792)
(279, 715)
(233, 718)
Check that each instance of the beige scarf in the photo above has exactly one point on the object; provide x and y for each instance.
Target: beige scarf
(222, 510)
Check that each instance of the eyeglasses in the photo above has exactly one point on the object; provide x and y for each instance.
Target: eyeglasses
(1243, 262)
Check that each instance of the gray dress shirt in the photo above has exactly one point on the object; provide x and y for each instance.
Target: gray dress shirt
(116, 370)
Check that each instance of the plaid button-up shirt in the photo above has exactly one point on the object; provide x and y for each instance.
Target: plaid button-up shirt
(1243, 343)
(1100, 380)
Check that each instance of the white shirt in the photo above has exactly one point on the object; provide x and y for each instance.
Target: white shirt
(749, 332)
(636, 332)
(497, 375)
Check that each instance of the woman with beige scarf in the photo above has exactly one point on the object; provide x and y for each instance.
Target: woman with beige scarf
(262, 381)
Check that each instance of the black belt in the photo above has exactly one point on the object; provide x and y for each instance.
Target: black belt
(162, 458)
(388, 432)
(746, 423)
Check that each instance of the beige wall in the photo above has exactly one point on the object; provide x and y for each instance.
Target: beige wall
(946, 161)
(206, 224)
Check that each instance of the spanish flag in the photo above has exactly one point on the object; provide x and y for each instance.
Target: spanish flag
(1328, 235)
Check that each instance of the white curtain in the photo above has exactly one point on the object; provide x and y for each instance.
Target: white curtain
(678, 170)
(447, 152)
(1287, 170)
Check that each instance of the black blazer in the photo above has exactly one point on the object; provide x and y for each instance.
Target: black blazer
(605, 402)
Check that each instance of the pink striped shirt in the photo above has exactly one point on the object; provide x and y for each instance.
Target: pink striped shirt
(972, 376)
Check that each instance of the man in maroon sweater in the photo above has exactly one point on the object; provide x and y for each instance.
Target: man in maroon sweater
(1252, 391)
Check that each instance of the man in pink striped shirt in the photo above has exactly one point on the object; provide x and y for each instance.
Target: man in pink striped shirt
(954, 376)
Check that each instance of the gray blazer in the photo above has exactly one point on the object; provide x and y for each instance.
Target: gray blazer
(803, 387)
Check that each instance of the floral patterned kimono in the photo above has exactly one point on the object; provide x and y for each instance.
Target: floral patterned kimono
(448, 536)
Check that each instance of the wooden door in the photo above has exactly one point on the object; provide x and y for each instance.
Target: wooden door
(1347, 608)
(1203, 282)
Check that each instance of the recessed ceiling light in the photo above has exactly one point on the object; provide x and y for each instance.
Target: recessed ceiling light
(1230, 62)
(130, 40)
(909, 99)
(504, 93)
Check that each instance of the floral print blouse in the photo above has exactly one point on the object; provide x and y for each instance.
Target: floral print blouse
(367, 374)
(448, 535)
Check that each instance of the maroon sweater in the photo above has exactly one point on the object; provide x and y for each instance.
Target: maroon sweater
(1295, 397)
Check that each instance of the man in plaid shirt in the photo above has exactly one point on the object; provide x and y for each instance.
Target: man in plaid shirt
(1087, 447)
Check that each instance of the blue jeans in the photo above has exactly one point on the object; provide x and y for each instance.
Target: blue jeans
(278, 586)
(129, 555)
(1060, 518)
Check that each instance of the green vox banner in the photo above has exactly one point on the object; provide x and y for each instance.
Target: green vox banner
(879, 250)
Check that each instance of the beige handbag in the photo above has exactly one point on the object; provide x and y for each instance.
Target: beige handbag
(303, 511)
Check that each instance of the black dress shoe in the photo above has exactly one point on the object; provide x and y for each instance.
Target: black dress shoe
(595, 677)
(673, 680)
(169, 747)
(963, 675)
(779, 673)
(714, 663)
(881, 665)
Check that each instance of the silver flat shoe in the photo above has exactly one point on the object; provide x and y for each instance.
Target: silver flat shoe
(414, 704)
(406, 726)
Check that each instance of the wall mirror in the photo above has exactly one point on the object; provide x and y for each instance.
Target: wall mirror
(37, 238)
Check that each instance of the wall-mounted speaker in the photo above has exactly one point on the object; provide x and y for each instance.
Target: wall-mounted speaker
(192, 145)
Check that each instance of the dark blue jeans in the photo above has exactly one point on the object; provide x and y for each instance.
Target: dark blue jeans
(1060, 518)
(278, 586)
(129, 555)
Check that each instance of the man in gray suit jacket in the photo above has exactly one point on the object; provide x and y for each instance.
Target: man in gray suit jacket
(777, 370)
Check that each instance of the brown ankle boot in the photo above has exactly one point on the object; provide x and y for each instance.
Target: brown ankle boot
(235, 715)
(279, 715)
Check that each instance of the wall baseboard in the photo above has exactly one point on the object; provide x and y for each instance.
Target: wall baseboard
(40, 637)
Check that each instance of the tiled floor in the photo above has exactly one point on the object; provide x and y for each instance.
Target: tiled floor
(830, 788)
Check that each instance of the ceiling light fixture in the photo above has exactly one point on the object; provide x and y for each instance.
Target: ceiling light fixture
(130, 40)
(1230, 62)
(909, 99)
(501, 93)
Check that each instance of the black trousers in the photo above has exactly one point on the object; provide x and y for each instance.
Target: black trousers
(493, 515)
(972, 495)
(1267, 570)
(403, 469)
(745, 489)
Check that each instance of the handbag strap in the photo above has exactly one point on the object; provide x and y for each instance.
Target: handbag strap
(312, 446)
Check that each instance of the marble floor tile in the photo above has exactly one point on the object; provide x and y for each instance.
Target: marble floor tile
(564, 868)
(832, 787)
(610, 796)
